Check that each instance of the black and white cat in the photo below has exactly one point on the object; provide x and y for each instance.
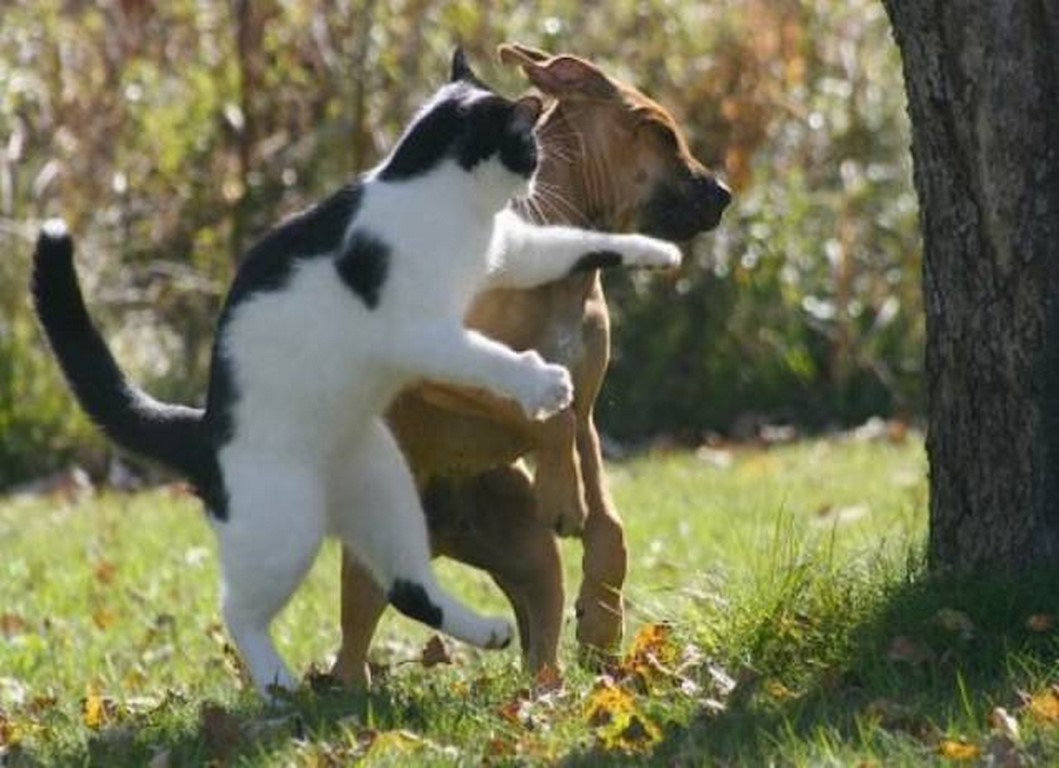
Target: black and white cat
(331, 314)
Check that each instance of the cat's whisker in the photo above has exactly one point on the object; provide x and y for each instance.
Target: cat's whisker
(560, 204)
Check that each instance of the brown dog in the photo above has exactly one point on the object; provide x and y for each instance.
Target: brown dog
(613, 160)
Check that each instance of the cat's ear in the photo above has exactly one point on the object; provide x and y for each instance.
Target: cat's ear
(461, 70)
(526, 113)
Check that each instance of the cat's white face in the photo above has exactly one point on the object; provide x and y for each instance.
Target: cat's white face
(496, 184)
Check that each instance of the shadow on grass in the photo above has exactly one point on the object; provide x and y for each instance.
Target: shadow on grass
(929, 662)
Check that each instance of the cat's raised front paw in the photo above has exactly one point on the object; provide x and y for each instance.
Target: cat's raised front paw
(547, 388)
(651, 253)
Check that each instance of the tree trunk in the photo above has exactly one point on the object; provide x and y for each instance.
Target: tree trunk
(983, 97)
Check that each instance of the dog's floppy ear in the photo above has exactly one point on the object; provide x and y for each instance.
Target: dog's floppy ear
(517, 53)
(562, 76)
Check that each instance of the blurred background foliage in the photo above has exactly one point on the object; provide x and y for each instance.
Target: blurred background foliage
(171, 134)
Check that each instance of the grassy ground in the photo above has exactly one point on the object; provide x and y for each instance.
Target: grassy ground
(777, 615)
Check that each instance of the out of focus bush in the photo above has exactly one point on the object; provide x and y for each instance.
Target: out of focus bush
(171, 134)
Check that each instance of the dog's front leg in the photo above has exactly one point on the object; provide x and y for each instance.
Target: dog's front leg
(604, 563)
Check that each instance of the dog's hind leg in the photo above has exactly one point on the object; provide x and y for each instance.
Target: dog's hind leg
(490, 522)
(376, 512)
(363, 604)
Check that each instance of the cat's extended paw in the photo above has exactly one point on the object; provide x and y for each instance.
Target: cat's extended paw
(650, 253)
(497, 634)
(547, 388)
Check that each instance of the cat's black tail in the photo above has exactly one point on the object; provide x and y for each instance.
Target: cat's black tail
(171, 435)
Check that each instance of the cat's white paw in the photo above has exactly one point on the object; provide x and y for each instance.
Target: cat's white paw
(496, 634)
(651, 253)
(546, 389)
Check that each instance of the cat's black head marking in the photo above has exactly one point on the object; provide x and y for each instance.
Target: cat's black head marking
(467, 122)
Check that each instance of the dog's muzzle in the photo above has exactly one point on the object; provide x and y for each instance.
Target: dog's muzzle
(677, 211)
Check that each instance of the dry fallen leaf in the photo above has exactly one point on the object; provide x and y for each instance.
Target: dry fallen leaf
(1044, 706)
(639, 735)
(435, 653)
(607, 702)
(1001, 722)
(98, 711)
(221, 730)
(906, 650)
(105, 571)
(778, 691)
(10, 734)
(11, 624)
(955, 621)
(548, 680)
(105, 618)
(1041, 622)
(959, 751)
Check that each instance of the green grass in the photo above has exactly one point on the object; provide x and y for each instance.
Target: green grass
(793, 574)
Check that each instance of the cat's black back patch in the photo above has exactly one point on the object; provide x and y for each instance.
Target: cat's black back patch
(411, 599)
(363, 265)
(315, 232)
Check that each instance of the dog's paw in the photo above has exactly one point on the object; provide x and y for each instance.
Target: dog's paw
(546, 389)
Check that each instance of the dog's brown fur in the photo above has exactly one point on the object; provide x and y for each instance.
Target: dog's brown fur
(615, 160)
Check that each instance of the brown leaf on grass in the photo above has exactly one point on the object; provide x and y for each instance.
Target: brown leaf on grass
(98, 711)
(548, 680)
(499, 748)
(10, 733)
(105, 572)
(779, 692)
(955, 621)
(958, 751)
(655, 640)
(639, 735)
(11, 624)
(1044, 706)
(608, 702)
(41, 704)
(105, 618)
(652, 658)
(221, 730)
(1002, 723)
(434, 653)
(1041, 622)
(908, 651)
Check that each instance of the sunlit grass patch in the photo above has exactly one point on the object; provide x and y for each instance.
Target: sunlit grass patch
(778, 612)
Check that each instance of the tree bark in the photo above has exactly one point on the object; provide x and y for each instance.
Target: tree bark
(983, 96)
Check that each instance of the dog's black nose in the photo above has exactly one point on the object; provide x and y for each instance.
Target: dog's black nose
(722, 194)
(712, 193)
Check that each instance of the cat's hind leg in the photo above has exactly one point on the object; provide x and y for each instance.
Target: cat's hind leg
(376, 512)
(274, 527)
